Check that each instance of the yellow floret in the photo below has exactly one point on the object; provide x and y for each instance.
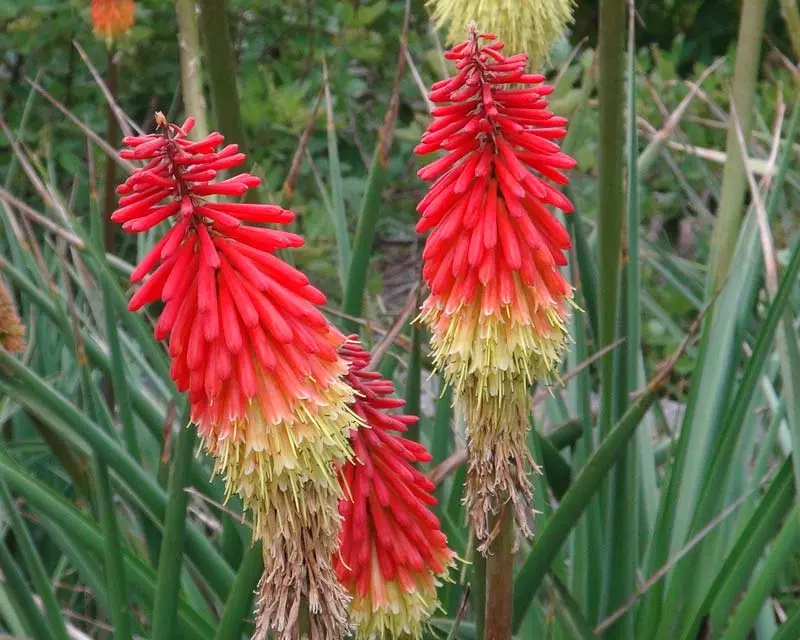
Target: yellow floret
(285, 472)
(529, 26)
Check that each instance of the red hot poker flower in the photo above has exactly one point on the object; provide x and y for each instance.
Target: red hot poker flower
(393, 552)
(258, 359)
(112, 18)
(498, 303)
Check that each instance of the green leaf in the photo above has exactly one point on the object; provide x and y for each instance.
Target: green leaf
(54, 620)
(747, 610)
(56, 411)
(239, 603)
(170, 558)
(77, 525)
(585, 486)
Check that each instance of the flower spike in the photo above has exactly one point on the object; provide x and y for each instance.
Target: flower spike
(257, 358)
(393, 553)
(111, 19)
(527, 25)
(498, 302)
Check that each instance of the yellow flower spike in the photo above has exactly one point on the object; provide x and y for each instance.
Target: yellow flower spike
(525, 25)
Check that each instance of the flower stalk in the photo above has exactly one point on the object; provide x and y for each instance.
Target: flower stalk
(734, 180)
(498, 303)
(500, 578)
(257, 358)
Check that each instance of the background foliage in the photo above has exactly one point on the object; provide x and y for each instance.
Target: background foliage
(88, 414)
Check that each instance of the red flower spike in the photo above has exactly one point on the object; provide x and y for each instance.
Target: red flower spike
(392, 550)
(498, 302)
(257, 358)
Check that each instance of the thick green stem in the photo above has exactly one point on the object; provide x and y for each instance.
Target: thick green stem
(610, 181)
(194, 103)
(221, 70)
(791, 16)
(734, 182)
(239, 603)
(500, 578)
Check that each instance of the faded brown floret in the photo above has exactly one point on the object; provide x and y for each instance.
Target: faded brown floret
(298, 577)
(12, 331)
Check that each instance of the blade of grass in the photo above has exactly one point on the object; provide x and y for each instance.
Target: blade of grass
(339, 219)
(585, 486)
(747, 610)
(357, 268)
(582, 255)
(54, 507)
(735, 572)
(8, 609)
(569, 612)
(239, 603)
(62, 416)
(170, 558)
(708, 397)
(39, 578)
(719, 468)
(116, 584)
(790, 629)
(26, 606)
(585, 564)
(729, 212)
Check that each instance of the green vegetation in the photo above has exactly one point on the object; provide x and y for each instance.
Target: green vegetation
(669, 500)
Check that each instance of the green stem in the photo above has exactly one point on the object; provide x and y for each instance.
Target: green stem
(239, 603)
(734, 182)
(39, 577)
(171, 555)
(500, 578)
(194, 103)
(221, 70)
(115, 573)
(610, 180)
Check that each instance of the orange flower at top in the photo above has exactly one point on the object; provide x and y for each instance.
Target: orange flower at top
(498, 302)
(393, 552)
(112, 18)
